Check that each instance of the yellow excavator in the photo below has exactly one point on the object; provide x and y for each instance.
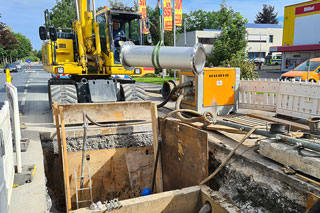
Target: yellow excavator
(84, 61)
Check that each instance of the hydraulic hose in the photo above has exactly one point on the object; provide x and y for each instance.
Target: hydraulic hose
(175, 89)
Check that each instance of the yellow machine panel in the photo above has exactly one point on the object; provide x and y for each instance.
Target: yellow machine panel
(215, 90)
(64, 50)
(223, 81)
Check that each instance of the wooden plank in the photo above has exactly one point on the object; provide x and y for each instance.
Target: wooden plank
(116, 173)
(155, 133)
(294, 126)
(65, 161)
(107, 112)
(56, 118)
(184, 152)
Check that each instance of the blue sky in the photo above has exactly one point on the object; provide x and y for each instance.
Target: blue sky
(25, 16)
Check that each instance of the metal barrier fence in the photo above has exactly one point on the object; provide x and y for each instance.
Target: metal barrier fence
(259, 94)
(299, 99)
(6, 158)
(291, 98)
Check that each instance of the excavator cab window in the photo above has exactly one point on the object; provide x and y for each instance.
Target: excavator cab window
(101, 19)
(117, 27)
(128, 29)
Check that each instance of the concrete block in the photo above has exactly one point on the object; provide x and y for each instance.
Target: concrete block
(287, 155)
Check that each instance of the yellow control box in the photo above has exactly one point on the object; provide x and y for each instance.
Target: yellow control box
(215, 90)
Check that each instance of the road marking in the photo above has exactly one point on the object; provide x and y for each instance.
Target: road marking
(23, 101)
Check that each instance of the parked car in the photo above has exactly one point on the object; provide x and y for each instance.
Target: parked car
(17, 65)
(301, 71)
(259, 60)
(273, 60)
(11, 67)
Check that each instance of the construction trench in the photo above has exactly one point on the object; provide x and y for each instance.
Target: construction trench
(121, 165)
(164, 160)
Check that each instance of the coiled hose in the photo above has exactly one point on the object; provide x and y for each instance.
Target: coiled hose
(174, 91)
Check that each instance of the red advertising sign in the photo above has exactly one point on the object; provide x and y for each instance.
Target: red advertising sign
(178, 12)
(167, 13)
(143, 11)
(308, 9)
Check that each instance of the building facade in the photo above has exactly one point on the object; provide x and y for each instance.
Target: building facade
(301, 34)
(260, 38)
(205, 37)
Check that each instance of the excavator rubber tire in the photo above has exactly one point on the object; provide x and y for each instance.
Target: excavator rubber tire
(132, 92)
(63, 94)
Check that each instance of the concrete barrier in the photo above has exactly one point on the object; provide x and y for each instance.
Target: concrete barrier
(6, 158)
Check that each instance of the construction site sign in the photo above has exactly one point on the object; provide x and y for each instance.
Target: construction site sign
(167, 13)
(143, 11)
(178, 12)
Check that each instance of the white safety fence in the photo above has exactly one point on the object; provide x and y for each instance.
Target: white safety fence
(12, 97)
(6, 158)
(291, 98)
(259, 94)
(299, 99)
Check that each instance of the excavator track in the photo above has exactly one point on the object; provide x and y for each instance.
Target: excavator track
(132, 92)
(62, 93)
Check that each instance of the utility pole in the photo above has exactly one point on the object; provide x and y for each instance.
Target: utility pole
(164, 71)
(185, 32)
(174, 33)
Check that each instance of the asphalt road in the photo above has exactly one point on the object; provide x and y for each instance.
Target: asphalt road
(33, 103)
(21, 80)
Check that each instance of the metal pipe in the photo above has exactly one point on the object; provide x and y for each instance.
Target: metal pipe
(77, 10)
(286, 139)
(183, 58)
(84, 147)
(94, 11)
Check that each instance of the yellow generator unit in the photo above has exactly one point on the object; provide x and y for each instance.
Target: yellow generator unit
(215, 90)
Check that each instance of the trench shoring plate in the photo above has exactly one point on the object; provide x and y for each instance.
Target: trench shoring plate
(184, 155)
(107, 112)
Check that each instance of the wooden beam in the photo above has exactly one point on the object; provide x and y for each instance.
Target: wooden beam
(294, 126)
(155, 133)
(65, 161)
(107, 112)
(56, 118)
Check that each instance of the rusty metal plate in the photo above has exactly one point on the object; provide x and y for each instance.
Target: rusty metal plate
(184, 156)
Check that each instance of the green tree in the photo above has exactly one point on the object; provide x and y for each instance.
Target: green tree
(267, 15)
(24, 48)
(115, 3)
(232, 38)
(8, 42)
(153, 15)
(199, 20)
(38, 54)
(240, 60)
(63, 13)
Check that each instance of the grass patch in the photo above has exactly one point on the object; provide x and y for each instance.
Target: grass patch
(152, 80)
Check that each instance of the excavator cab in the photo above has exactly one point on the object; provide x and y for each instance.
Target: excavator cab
(119, 25)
